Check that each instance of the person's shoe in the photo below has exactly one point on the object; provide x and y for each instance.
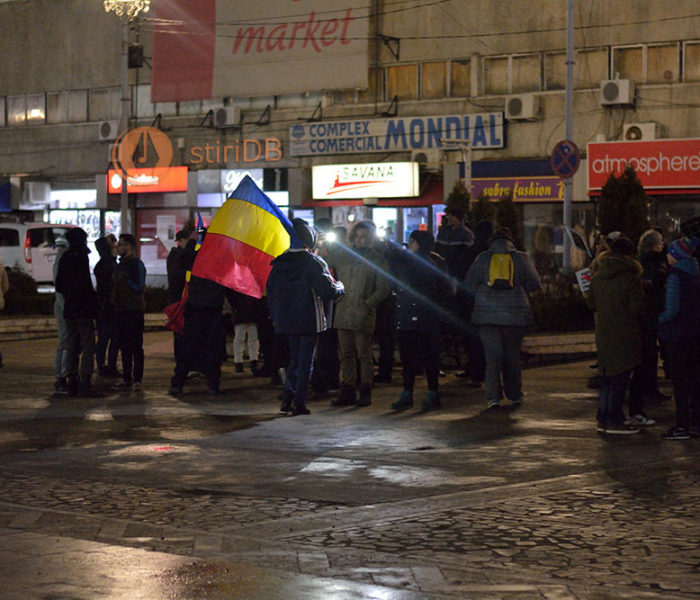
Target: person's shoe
(346, 397)
(620, 429)
(60, 387)
(286, 407)
(600, 427)
(640, 420)
(432, 401)
(365, 398)
(137, 387)
(676, 433)
(213, 390)
(463, 374)
(175, 390)
(518, 402)
(239, 367)
(87, 391)
(300, 409)
(122, 386)
(694, 431)
(491, 404)
(405, 401)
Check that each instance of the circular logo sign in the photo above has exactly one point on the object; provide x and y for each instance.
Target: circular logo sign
(143, 147)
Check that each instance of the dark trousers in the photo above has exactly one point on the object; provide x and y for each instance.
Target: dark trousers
(80, 348)
(684, 359)
(384, 334)
(107, 346)
(645, 376)
(612, 398)
(326, 364)
(420, 348)
(130, 331)
(502, 345)
(203, 346)
(301, 363)
(475, 352)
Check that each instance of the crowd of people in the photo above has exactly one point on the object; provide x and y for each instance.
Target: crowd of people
(329, 303)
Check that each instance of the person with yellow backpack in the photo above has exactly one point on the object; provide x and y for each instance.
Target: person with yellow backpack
(500, 280)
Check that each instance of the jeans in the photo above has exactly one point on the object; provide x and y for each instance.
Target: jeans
(301, 363)
(420, 348)
(107, 348)
(612, 398)
(502, 345)
(130, 330)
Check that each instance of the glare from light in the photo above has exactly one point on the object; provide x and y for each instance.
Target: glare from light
(130, 8)
(331, 236)
(381, 233)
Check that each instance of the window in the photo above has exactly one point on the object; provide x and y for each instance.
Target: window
(496, 75)
(433, 80)
(141, 101)
(67, 107)
(591, 68)
(9, 237)
(36, 109)
(402, 81)
(628, 63)
(460, 78)
(555, 71)
(662, 64)
(16, 110)
(525, 73)
(3, 121)
(691, 62)
(104, 104)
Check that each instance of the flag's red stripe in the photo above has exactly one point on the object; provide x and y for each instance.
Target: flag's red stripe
(184, 39)
(233, 264)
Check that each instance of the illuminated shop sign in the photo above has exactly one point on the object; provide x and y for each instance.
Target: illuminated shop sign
(484, 131)
(366, 180)
(546, 188)
(660, 164)
(144, 181)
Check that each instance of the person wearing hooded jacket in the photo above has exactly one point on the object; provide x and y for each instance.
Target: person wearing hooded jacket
(502, 316)
(616, 295)
(300, 290)
(79, 310)
(106, 348)
(679, 327)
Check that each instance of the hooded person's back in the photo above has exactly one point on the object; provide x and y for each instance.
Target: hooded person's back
(73, 278)
(104, 272)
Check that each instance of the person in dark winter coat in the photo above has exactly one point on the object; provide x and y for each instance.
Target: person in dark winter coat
(129, 307)
(617, 298)
(453, 242)
(107, 348)
(79, 310)
(679, 327)
(300, 290)
(502, 315)
(423, 289)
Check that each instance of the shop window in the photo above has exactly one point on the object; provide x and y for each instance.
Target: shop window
(433, 82)
(402, 81)
(591, 68)
(691, 62)
(662, 64)
(385, 219)
(555, 71)
(104, 104)
(628, 63)
(414, 217)
(16, 110)
(460, 78)
(525, 73)
(67, 107)
(496, 75)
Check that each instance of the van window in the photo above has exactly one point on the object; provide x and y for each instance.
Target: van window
(45, 237)
(9, 237)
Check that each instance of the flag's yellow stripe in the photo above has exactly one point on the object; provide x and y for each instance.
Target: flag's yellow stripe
(251, 225)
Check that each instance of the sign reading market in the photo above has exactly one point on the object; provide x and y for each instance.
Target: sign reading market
(660, 164)
(365, 180)
(483, 130)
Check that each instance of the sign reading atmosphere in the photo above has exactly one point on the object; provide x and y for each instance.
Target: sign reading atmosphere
(215, 48)
(365, 180)
(484, 130)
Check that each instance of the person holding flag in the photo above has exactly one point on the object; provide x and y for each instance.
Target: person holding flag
(300, 290)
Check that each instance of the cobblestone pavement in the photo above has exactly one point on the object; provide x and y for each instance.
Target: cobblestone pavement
(217, 495)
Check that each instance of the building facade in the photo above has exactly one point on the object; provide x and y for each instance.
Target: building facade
(278, 88)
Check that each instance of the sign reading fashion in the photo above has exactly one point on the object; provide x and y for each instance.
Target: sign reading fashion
(366, 180)
(545, 188)
(660, 164)
(483, 130)
(215, 48)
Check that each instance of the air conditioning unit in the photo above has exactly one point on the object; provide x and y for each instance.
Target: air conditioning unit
(227, 116)
(431, 157)
(524, 107)
(616, 92)
(641, 131)
(108, 131)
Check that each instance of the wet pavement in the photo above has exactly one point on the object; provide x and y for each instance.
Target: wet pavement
(141, 495)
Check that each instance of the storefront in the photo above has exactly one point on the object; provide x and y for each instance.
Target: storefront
(669, 170)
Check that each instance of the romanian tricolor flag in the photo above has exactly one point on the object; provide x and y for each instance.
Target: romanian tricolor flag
(246, 233)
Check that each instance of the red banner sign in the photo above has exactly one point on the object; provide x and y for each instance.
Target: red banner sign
(660, 164)
(144, 181)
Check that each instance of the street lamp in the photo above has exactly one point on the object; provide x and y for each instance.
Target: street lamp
(127, 10)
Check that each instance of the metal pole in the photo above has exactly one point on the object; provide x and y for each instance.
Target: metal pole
(124, 124)
(568, 183)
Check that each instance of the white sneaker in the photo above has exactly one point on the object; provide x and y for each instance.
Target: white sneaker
(640, 420)
(136, 387)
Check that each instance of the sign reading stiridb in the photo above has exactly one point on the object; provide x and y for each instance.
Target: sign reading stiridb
(366, 180)
(484, 131)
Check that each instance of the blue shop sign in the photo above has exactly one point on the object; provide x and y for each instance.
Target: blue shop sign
(483, 130)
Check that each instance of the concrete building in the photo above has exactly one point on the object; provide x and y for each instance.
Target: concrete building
(364, 83)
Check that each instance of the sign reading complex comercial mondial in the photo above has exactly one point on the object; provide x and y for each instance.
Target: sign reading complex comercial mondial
(484, 131)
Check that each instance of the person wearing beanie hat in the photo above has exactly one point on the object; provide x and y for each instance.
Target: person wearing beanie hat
(300, 292)
(616, 296)
(422, 287)
(679, 327)
(73, 281)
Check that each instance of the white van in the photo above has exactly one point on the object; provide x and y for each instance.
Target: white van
(31, 248)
